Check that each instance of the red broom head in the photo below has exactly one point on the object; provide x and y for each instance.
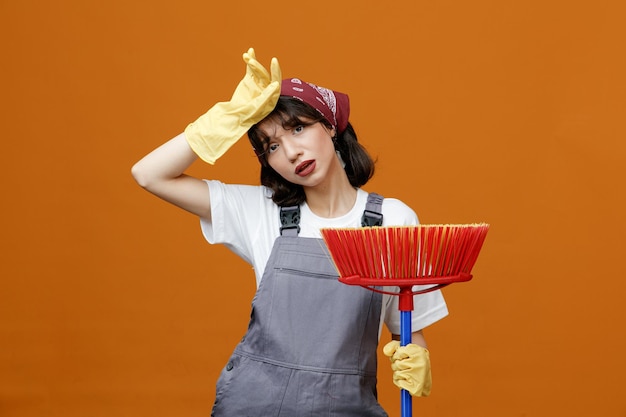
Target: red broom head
(424, 251)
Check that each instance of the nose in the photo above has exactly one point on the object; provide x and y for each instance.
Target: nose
(291, 149)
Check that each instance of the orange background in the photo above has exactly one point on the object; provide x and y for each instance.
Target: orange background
(111, 303)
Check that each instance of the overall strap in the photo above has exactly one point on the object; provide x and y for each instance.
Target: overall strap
(373, 214)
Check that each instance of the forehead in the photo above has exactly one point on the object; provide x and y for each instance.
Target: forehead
(270, 127)
(275, 126)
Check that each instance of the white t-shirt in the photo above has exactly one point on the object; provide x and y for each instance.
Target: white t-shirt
(247, 221)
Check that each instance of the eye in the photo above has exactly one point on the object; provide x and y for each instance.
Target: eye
(272, 147)
(298, 129)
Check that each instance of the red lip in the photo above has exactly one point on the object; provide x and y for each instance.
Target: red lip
(305, 168)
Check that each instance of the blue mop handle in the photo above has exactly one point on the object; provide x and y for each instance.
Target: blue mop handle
(406, 403)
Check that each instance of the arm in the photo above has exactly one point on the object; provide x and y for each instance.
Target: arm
(161, 172)
(417, 338)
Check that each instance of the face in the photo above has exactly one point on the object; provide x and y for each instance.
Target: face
(303, 155)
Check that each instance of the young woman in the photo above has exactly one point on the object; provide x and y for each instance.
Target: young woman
(310, 348)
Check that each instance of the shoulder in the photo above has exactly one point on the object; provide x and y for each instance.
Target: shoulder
(397, 213)
(242, 216)
(244, 202)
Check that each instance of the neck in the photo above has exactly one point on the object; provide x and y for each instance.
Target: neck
(332, 200)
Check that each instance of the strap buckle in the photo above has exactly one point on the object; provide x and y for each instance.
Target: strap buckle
(371, 218)
(290, 219)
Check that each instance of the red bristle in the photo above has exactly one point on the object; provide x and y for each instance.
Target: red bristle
(350, 256)
(369, 250)
(456, 250)
(449, 258)
(410, 253)
(378, 258)
(401, 255)
(406, 253)
(467, 248)
(442, 238)
(422, 252)
(356, 259)
(432, 250)
(397, 252)
(398, 272)
(374, 257)
(385, 252)
(429, 242)
(360, 267)
(425, 251)
(470, 250)
(343, 258)
(443, 250)
(333, 241)
(385, 235)
(436, 249)
(438, 233)
(393, 253)
(480, 239)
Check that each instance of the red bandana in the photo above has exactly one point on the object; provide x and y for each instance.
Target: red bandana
(333, 105)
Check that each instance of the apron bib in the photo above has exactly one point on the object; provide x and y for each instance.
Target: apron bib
(310, 348)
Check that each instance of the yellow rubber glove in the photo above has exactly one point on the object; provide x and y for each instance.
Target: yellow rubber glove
(411, 367)
(226, 122)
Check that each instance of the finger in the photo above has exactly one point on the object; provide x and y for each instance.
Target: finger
(390, 348)
(400, 355)
(275, 69)
(399, 366)
(260, 74)
(249, 54)
(255, 68)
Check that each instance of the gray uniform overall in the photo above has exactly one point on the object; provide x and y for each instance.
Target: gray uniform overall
(310, 348)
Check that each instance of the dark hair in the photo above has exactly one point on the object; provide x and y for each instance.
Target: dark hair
(290, 112)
